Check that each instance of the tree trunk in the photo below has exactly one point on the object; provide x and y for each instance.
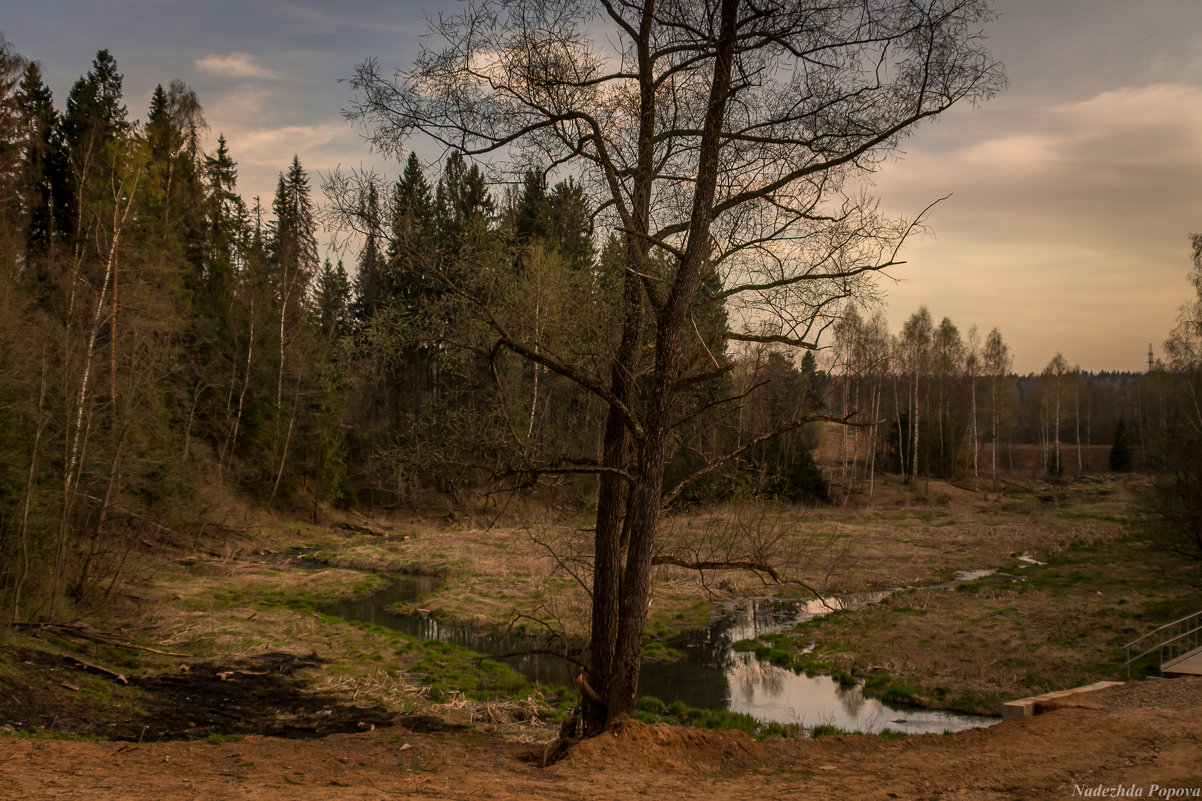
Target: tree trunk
(872, 437)
(996, 415)
(617, 681)
(227, 450)
(914, 434)
(1058, 465)
(976, 443)
(1077, 409)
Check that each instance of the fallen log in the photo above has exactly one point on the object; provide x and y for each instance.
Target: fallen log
(114, 675)
(358, 529)
(84, 633)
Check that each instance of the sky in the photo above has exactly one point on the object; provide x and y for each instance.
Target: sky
(1071, 195)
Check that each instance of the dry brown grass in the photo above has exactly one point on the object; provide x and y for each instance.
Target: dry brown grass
(995, 642)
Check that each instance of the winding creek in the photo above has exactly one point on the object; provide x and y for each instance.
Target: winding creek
(712, 675)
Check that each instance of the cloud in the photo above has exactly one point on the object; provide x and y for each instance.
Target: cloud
(234, 65)
(276, 145)
(1067, 223)
(366, 17)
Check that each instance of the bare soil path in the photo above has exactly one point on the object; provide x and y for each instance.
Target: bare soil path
(1144, 737)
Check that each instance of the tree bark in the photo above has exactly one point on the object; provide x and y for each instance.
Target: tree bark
(618, 684)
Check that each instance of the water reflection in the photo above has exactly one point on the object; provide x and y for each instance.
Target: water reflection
(717, 677)
(712, 675)
(770, 693)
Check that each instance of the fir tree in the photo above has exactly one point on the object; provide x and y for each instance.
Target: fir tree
(292, 242)
(94, 120)
(371, 290)
(332, 299)
(44, 185)
(410, 278)
(1120, 451)
(464, 205)
(225, 222)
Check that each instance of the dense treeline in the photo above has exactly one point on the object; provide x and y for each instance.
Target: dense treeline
(157, 334)
(161, 337)
(949, 406)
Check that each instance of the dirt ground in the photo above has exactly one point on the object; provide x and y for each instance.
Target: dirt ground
(1143, 737)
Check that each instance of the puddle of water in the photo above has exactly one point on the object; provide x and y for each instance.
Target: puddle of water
(711, 676)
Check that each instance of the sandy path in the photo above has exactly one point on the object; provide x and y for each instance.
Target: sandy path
(1142, 736)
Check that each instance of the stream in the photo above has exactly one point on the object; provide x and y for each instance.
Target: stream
(711, 675)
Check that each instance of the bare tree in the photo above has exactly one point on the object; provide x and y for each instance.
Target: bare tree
(915, 344)
(716, 137)
(997, 365)
(1177, 487)
(1052, 387)
(972, 365)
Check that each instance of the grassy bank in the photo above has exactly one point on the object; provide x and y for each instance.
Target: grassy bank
(1026, 629)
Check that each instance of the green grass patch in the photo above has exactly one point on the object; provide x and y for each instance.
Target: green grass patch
(658, 652)
(447, 669)
(825, 730)
(43, 734)
(652, 710)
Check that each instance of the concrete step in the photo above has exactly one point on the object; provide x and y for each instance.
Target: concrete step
(1036, 704)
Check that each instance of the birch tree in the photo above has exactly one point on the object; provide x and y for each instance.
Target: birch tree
(997, 366)
(1052, 386)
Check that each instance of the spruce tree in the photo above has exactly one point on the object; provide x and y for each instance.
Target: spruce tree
(410, 276)
(293, 263)
(371, 290)
(332, 301)
(93, 121)
(464, 205)
(225, 222)
(292, 242)
(1120, 451)
(44, 184)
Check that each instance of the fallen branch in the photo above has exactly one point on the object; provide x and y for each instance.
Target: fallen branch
(84, 633)
(537, 652)
(752, 567)
(114, 675)
(358, 529)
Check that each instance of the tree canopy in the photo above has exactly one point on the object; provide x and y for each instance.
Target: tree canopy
(721, 139)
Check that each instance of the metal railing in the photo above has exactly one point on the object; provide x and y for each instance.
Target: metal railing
(1171, 640)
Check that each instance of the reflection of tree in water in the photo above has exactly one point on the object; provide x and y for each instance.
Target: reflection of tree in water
(747, 618)
(852, 700)
(752, 675)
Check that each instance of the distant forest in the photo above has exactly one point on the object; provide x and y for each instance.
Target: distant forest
(165, 343)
